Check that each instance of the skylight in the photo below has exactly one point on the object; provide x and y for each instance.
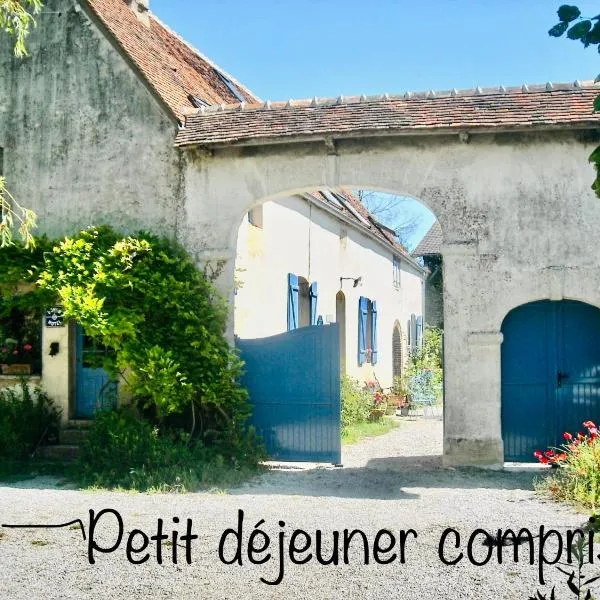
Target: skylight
(351, 208)
(196, 101)
(231, 86)
(331, 198)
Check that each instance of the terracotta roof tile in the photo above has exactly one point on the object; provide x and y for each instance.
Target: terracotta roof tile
(431, 243)
(552, 105)
(172, 68)
(370, 223)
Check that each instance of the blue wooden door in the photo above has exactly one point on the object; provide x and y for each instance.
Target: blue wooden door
(294, 385)
(94, 389)
(550, 374)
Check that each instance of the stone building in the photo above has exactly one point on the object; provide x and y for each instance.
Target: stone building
(113, 118)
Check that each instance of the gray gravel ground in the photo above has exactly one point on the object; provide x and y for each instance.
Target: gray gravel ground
(393, 482)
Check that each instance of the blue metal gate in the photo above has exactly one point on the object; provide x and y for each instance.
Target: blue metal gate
(294, 385)
(550, 374)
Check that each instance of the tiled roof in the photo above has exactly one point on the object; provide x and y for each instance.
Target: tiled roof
(369, 222)
(431, 243)
(172, 68)
(551, 105)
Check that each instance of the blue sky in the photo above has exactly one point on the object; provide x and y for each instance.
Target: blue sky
(291, 49)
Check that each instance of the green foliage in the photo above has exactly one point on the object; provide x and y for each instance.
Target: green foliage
(26, 417)
(144, 298)
(427, 358)
(587, 31)
(123, 450)
(356, 403)
(16, 19)
(160, 317)
(13, 216)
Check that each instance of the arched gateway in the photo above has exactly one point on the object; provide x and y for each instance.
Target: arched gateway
(505, 172)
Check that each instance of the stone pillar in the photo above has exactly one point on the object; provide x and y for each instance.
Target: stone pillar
(472, 424)
(56, 370)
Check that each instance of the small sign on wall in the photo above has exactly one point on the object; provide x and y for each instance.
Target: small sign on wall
(55, 317)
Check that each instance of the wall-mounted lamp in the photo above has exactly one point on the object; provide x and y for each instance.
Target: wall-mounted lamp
(357, 280)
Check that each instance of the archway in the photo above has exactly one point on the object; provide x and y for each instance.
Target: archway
(550, 374)
(319, 252)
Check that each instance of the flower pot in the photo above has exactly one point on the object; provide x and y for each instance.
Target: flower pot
(16, 369)
(404, 411)
(376, 414)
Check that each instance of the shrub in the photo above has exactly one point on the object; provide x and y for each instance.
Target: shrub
(424, 375)
(124, 450)
(577, 477)
(27, 415)
(356, 403)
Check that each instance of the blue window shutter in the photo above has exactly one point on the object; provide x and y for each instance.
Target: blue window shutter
(374, 333)
(293, 316)
(413, 332)
(314, 292)
(419, 332)
(363, 310)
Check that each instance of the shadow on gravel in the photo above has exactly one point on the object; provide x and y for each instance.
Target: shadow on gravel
(383, 479)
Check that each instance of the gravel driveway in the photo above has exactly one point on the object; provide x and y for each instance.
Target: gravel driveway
(393, 482)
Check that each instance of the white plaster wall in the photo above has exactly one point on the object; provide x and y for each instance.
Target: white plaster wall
(301, 238)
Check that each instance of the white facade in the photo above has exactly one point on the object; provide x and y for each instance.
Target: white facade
(309, 240)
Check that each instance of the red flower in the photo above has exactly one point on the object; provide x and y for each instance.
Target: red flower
(580, 436)
(544, 460)
(561, 456)
(567, 436)
(538, 454)
(27, 347)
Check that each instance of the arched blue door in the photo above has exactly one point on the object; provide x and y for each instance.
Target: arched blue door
(550, 374)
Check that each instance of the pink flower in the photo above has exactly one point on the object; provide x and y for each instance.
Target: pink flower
(16, 352)
(567, 436)
(538, 454)
(27, 347)
(589, 424)
(549, 453)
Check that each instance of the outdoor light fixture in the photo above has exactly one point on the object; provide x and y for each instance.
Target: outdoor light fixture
(357, 280)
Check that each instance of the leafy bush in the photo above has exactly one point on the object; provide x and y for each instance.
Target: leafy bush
(26, 416)
(424, 374)
(124, 450)
(577, 478)
(356, 403)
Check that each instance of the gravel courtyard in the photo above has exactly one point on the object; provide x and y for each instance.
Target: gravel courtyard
(394, 482)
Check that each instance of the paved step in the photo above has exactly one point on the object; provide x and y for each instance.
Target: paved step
(72, 436)
(79, 423)
(61, 452)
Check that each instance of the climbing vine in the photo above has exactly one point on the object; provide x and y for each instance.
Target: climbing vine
(162, 318)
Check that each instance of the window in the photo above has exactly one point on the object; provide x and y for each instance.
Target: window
(20, 341)
(255, 216)
(231, 86)
(397, 270)
(302, 302)
(197, 102)
(367, 331)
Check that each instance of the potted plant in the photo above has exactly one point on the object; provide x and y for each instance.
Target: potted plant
(379, 407)
(402, 393)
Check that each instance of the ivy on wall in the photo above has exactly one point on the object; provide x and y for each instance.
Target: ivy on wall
(144, 298)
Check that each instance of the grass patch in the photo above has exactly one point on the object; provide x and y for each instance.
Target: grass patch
(39, 543)
(360, 431)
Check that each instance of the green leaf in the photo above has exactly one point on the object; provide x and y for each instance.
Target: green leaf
(579, 30)
(597, 104)
(568, 13)
(595, 156)
(558, 29)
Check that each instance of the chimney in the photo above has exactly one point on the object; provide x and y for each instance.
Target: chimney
(141, 10)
